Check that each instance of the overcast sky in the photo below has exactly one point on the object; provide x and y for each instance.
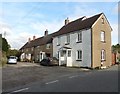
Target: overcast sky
(22, 20)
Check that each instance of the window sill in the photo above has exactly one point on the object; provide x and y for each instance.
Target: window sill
(78, 60)
(103, 41)
(79, 42)
(103, 60)
(67, 43)
(58, 44)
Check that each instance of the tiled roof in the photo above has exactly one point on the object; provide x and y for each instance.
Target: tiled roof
(78, 24)
(39, 41)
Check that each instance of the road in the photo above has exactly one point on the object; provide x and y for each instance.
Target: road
(105, 80)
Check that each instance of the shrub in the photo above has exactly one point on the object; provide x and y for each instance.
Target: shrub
(4, 59)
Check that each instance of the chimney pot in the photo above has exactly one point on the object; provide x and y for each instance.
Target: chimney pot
(46, 33)
(29, 39)
(34, 37)
(66, 21)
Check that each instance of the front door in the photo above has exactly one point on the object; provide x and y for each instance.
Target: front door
(69, 59)
(42, 55)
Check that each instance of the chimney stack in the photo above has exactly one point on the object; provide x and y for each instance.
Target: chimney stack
(34, 37)
(46, 33)
(29, 39)
(66, 21)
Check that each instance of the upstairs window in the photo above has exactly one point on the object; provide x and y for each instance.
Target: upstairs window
(59, 41)
(102, 36)
(79, 37)
(48, 46)
(67, 39)
(102, 55)
(32, 48)
(102, 20)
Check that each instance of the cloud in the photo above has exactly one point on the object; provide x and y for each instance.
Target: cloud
(18, 40)
(36, 23)
(5, 29)
(51, 26)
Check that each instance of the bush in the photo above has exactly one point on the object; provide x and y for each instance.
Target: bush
(4, 59)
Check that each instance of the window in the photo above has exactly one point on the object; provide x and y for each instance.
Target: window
(58, 54)
(32, 48)
(27, 49)
(63, 52)
(59, 41)
(67, 39)
(22, 50)
(102, 36)
(102, 20)
(48, 46)
(69, 53)
(102, 55)
(79, 37)
(79, 55)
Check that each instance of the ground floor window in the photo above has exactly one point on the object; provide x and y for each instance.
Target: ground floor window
(102, 55)
(79, 55)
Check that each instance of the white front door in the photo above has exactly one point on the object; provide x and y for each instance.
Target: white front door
(42, 55)
(69, 59)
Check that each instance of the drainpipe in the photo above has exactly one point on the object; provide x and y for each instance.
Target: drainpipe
(91, 49)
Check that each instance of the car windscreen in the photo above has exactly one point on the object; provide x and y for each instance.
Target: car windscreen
(12, 57)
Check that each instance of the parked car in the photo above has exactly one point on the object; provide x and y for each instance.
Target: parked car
(49, 62)
(12, 60)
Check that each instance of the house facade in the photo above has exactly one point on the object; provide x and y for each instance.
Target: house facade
(85, 42)
(37, 49)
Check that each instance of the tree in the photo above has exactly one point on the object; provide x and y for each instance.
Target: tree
(5, 45)
(116, 48)
(14, 52)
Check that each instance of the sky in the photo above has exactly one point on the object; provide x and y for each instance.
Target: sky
(22, 20)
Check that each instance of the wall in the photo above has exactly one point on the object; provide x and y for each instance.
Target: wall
(43, 49)
(97, 45)
(85, 46)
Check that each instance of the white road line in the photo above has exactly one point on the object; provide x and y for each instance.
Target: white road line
(73, 76)
(18, 90)
(52, 82)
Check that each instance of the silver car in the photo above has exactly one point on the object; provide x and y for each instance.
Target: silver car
(12, 60)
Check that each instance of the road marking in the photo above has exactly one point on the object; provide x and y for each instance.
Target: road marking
(73, 76)
(18, 90)
(52, 82)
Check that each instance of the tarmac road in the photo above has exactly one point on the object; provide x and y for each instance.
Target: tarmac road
(105, 80)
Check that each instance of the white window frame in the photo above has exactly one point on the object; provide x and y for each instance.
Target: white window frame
(67, 39)
(79, 55)
(58, 41)
(79, 36)
(102, 36)
(103, 55)
(32, 48)
(69, 53)
(47, 46)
